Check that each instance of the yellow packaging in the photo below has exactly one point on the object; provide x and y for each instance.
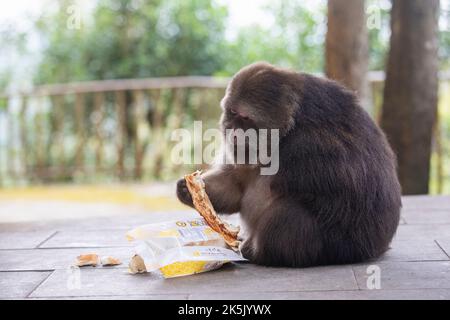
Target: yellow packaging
(180, 248)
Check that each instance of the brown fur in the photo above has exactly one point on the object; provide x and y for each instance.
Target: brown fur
(336, 196)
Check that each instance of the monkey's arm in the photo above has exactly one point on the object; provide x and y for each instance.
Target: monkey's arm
(222, 188)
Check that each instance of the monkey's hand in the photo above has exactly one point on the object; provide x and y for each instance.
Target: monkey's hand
(183, 193)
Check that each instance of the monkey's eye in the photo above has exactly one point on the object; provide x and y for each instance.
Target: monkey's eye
(236, 113)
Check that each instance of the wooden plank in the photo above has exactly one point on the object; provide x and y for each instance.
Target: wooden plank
(2, 167)
(427, 216)
(414, 250)
(416, 268)
(152, 83)
(80, 131)
(24, 135)
(51, 259)
(176, 116)
(407, 275)
(231, 278)
(157, 118)
(409, 232)
(88, 239)
(58, 110)
(444, 243)
(157, 131)
(10, 166)
(439, 153)
(121, 132)
(23, 240)
(173, 121)
(138, 97)
(119, 297)
(20, 284)
(428, 294)
(39, 141)
(124, 85)
(99, 109)
(424, 202)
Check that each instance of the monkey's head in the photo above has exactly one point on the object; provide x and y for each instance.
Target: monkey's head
(259, 96)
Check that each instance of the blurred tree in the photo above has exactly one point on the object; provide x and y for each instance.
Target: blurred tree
(378, 24)
(139, 38)
(63, 56)
(410, 94)
(347, 45)
(13, 48)
(294, 39)
(128, 39)
(444, 38)
(379, 34)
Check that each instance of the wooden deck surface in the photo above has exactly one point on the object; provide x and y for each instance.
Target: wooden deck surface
(35, 259)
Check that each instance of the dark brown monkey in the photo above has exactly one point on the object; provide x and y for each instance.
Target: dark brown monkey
(335, 198)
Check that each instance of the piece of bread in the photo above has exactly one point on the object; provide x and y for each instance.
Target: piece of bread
(196, 187)
(137, 265)
(90, 259)
(110, 261)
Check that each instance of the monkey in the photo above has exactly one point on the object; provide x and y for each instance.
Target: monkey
(335, 198)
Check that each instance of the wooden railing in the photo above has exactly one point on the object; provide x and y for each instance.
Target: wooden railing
(112, 130)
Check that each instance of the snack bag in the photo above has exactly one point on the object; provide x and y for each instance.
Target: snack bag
(203, 205)
(181, 248)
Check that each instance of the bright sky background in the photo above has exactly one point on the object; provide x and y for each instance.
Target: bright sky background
(18, 13)
(15, 9)
(241, 12)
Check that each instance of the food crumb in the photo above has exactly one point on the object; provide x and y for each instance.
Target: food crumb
(90, 259)
(137, 265)
(110, 261)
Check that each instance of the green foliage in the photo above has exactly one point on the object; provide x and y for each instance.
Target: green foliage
(133, 39)
(444, 48)
(294, 40)
(5, 77)
(379, 34)
(12, 43)
(152, 38)
(129, 39)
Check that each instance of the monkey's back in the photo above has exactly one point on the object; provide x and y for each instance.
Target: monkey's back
(337, 164)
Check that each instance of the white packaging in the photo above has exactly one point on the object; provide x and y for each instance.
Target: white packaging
(182, 247)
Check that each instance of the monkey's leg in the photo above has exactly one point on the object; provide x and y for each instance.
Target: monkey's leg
(287, 235)
(222, 188)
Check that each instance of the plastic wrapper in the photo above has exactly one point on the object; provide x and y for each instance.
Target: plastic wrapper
(181, 248)
(203, 205)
